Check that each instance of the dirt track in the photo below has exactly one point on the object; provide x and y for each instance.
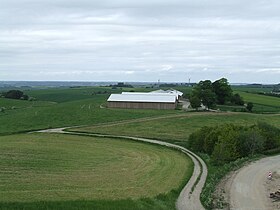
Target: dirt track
(248, 187)
(189, 198)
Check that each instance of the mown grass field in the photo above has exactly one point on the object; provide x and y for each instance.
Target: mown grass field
(41, 171)
(178, 129)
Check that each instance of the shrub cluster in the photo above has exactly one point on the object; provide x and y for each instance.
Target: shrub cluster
(15, 94)
(226, 143)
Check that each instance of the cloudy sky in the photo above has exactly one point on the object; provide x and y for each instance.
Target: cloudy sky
(145, 40)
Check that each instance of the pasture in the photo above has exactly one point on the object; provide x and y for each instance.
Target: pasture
(47, 170)
(260, 99)
(178, 128)
(64, 107)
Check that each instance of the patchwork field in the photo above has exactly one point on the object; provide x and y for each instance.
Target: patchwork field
(57, 167)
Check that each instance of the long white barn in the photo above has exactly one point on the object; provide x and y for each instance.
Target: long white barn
(144, 100)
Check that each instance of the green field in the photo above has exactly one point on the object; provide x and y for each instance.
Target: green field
(260, 99)
(178, 129)
(64, 107)
(56, 168)
(253, 89)
(48, 171)
(262, 103)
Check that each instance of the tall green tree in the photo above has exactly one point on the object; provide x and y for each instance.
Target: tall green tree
(204, 91)
(223, 90)
(195, 102)
(208, 98)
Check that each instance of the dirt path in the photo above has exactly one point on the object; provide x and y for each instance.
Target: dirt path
(247, 188)
(189, 198)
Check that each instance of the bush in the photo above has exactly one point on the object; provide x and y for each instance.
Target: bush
(237, 100)
(14, 94)
(271, 135)
(250, 142)
(250, 106)
(226, 143)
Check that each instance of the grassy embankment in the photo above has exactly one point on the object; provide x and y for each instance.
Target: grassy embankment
(52, 171)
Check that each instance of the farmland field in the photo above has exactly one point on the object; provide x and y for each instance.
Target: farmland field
(260, 99)
(64, 107)
(56, 171)
(262, 103)
(58, 167)
(178, 129)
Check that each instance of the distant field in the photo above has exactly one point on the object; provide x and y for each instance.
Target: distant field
(57, 167)
(20, 104)
(68, 94)
(262, 103)
(261, 99)
(64, 107)
(251, 89)
(178, 129)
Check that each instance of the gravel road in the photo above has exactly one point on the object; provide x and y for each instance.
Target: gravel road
(247, 188)
(189, 198)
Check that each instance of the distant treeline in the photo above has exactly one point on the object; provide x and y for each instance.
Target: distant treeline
(226, 143)
(121, 85)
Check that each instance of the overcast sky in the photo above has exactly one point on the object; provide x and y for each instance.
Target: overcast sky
(144, 40)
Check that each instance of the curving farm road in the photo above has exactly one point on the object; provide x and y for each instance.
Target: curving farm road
(247, 189)
(189, 198)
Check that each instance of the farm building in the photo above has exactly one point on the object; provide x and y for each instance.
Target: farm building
(178, 94)
(142, 101)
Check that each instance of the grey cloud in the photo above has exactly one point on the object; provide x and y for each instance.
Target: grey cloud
(143, 40)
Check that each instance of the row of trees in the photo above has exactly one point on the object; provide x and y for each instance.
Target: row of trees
(210, 94)
(15, 94)
(229, 142)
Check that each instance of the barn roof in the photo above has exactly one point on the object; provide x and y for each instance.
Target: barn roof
(171, 91)
(149, 93)
(142, 98)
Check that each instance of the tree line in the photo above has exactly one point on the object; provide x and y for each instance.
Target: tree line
(225, 143)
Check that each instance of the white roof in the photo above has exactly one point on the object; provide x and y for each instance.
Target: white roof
(142, 98)
(159, 91)
(172, 91)
(148, 93)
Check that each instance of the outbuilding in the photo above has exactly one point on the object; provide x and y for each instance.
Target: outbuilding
(142, 101)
